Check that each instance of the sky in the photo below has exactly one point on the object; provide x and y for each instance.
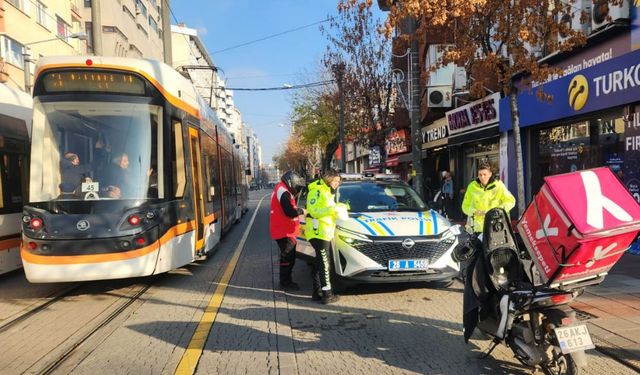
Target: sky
(292, 58)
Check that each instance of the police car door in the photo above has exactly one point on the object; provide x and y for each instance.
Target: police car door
(304, 248)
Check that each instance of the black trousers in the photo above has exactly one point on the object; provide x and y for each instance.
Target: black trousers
(287, 247)
(322, 266)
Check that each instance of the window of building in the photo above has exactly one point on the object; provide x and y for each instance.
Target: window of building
(153, 24)
(23, 5)
(12, 51)
(62, 28)
(141, 9)
(88, 29)
(87, 3)
(153, 2)
(41, 15)
(143, 30)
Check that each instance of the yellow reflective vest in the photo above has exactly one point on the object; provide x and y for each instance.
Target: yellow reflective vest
(484, 198)
(321, 207)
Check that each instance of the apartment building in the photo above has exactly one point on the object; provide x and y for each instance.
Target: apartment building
(30, 29)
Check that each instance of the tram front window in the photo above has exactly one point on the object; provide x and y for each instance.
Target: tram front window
(89, 150)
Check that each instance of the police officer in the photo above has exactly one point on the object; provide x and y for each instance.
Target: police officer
(284, 224)
(483, 194)
(322, 212)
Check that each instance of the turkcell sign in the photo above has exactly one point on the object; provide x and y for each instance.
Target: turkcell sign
(612, 83)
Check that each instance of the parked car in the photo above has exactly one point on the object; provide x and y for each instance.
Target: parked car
(391, 235)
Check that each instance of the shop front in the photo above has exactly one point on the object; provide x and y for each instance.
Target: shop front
(591, 122)
(474, 139)
(435, 155)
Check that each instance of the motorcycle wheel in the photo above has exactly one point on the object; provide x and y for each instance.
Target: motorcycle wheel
(560, 364)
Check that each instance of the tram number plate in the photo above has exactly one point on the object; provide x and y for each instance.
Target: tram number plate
(408, 264)
(573, 338)
(90, 187)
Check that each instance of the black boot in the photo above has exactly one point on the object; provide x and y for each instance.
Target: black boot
(328, 297)
(289, 286)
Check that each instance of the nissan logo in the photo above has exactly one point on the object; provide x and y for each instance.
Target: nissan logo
(84, 225)
(408, 243)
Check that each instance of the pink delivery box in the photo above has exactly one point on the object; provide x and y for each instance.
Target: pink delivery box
(579, 225)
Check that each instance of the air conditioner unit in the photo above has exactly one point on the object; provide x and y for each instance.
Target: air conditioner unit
(603, 13)
(572, 19)
(439, 96)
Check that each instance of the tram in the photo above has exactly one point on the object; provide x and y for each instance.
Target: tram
(15, 125)
(131, 173)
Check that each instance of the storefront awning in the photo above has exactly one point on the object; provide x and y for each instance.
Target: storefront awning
(393, 160)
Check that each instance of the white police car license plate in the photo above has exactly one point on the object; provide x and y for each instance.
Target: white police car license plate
(408, 264)
(573, 338)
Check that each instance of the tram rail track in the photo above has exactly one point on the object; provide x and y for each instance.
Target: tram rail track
(58, 361)
(49, 300)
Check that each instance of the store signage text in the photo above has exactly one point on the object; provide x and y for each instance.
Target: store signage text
(397, 142)
(434, 134)
(374, 156)
(611, 83)
(474, 115)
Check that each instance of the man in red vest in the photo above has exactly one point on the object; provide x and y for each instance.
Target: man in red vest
(284, 224)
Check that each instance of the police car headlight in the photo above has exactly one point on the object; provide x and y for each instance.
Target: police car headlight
(352, 238)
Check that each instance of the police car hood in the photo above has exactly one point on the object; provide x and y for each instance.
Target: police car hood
(392, 223)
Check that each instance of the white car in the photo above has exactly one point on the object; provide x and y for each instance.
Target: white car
(390, 235)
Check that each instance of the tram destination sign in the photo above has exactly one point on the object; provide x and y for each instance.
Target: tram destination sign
(83, 80)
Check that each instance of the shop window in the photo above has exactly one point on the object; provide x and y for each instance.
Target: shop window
(594, 142)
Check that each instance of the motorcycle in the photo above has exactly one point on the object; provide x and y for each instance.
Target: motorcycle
(500, 299)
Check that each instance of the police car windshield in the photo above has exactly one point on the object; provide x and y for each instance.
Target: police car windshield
(371, 196)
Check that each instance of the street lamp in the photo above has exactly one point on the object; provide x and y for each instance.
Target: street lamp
(27, 57)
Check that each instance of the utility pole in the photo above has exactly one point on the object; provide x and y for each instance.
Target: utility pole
(166, 33)
(338, 71)
(96, 28)
(416, 129)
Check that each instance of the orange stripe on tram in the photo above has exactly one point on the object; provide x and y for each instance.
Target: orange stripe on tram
(172, 99)
(111, 257)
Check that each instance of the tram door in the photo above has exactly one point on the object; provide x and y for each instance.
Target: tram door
(198, 197)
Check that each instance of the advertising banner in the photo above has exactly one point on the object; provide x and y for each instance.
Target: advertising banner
(397, 142)
(612, 83)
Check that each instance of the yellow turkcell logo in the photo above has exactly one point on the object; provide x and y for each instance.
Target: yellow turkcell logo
(578, 92)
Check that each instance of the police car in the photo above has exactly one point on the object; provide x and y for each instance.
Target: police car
(390, 235)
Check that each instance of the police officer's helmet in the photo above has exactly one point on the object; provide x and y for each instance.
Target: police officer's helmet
(293, 181)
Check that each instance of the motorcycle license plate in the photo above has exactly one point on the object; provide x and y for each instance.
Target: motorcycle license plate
(573, 338)
(408, 264)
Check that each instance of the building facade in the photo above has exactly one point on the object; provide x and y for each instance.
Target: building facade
(31, 29)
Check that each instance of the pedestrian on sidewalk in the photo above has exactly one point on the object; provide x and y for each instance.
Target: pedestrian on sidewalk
(284, 224)
(320, 228)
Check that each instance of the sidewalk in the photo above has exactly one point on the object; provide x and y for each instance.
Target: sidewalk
(612, 310)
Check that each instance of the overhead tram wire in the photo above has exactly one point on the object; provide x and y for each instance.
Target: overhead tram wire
(271, 36)
(278, 88)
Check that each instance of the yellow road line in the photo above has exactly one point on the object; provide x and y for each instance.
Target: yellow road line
(192, 354)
